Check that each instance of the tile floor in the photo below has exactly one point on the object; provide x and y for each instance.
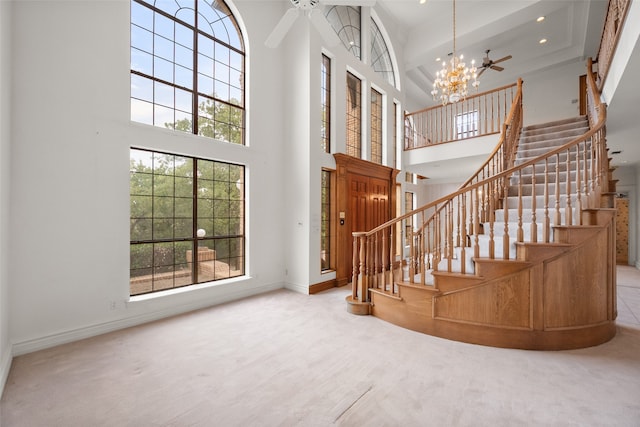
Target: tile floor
(628, 296)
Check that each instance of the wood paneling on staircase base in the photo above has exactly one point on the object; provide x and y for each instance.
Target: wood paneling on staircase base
(559, 296)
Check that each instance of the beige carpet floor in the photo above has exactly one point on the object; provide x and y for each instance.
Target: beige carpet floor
(286, 359)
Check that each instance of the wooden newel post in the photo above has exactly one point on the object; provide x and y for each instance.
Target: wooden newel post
(358, 301)
(359, 277)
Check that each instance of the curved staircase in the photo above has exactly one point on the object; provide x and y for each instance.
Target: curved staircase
(521, 256)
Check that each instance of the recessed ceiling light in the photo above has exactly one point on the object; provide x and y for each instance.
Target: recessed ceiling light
(540, 19)
(542, 41)
(423, 1)
(438, 59)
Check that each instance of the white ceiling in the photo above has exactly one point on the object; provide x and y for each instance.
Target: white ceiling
(573, 29)
(506, 27)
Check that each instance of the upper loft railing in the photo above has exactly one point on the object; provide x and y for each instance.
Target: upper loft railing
(450, 226)
(503, 155)
(478, 115)
(616, 16)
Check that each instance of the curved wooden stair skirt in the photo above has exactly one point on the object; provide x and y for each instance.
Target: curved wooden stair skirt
(518, 303)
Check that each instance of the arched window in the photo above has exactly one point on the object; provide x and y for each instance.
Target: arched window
(380, 56)
(187, 67)
(345, 20)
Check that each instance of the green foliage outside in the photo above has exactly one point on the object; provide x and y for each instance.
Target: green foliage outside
(216, 120)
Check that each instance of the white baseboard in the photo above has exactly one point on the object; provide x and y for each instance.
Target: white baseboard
(65, 337)
(5, 366)
(301, 289)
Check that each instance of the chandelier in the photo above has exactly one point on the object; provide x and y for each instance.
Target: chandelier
(452, 81)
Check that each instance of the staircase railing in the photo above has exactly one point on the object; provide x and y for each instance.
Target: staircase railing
(452, 224)
(478, 115)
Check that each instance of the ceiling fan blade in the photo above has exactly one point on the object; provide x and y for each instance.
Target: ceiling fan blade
(283, 27)
(350, 2)
(480, 73)
(324, 28)
(503, 59)
(497, 68)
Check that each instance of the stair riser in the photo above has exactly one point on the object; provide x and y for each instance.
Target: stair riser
(540, 189)
(536, 152)
(527, 203)
(555, 124)
(523, 157)
(551, 167)
(499, 231)
(527, 215)
(545, 137)
(551, 179)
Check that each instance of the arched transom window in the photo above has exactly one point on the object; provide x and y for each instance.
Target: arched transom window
(187, 67)
(380, 56)
(345, 20)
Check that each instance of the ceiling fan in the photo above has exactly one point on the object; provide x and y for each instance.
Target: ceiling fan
(313, 10)
(490, 63)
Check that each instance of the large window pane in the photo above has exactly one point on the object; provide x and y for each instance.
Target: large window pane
(325, 107)
(166, 249)
(162, 52)
(376, 126)
(354, 116)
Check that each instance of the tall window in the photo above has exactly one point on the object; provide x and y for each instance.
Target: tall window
(325, 109)
(354, 116)
(409, 205)
(187, 68)
(325, 227)
(380, 56)
(396, 113)
(467, 125)
(410, 178)
(376, 126)
(345, 20)
(187, 221)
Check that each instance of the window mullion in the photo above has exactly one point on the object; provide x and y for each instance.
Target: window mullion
(194, 104)
(194, 222)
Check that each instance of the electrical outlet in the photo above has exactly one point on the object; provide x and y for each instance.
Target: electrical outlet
(113, 305)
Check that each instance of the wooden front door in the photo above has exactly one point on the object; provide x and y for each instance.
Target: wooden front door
(368, 207)
(364, 197)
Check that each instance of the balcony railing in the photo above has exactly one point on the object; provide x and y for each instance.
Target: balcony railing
(616, 16)
(478, 115)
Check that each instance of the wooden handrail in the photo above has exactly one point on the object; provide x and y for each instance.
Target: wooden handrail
(514, 119)
(459, 216)
(485, 112)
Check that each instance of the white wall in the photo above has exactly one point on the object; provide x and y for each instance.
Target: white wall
(627, 184)
(297, 143)
(301, 51)
(624, 50)
(5, 167)
(637, 217)
(69, 184)
(552, 94)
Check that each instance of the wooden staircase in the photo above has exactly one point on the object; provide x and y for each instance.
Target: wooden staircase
(535, 140)
(521, 256)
